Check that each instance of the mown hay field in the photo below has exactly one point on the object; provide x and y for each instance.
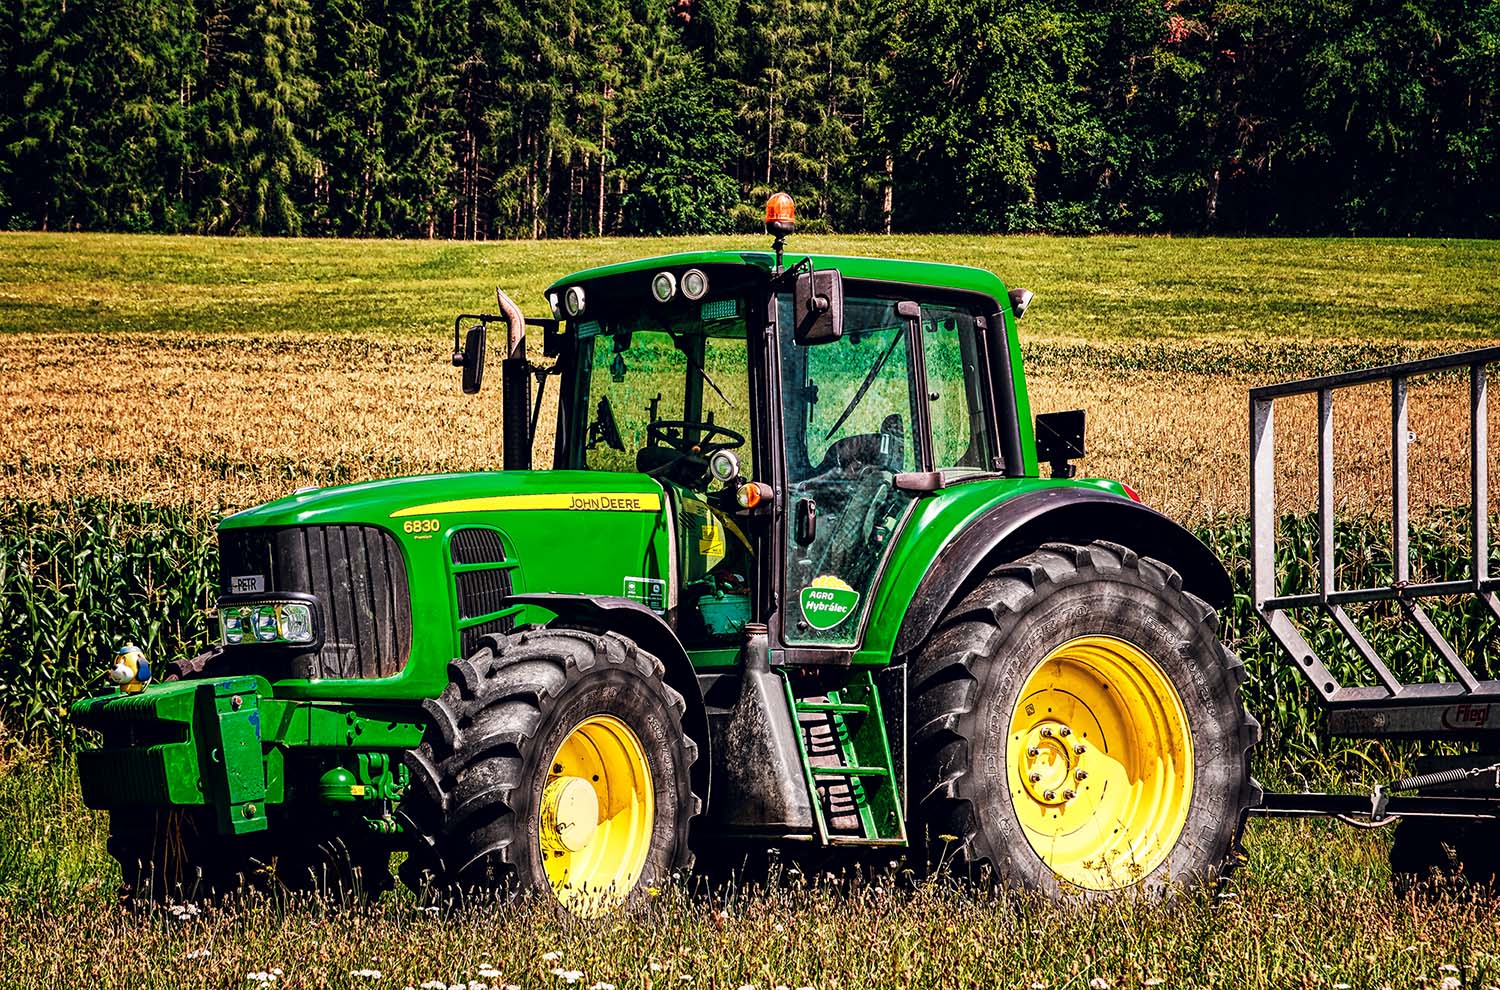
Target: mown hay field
(228, 371)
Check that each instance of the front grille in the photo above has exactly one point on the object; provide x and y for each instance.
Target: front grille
(359, 578)
(480, 592)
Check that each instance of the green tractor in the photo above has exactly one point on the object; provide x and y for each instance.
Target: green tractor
(793, 579)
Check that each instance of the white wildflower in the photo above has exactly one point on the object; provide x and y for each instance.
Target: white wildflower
(551, 956)
(568, 975)
(747, 986)
(654, 966)
(487, 971)
(1449, 983)
(365, 974)
(434, 985)
(779, 927)
(202, 953)
(1098, 983)
(601, 985)
(1341, 986)
(1448, 968)
(1155, 981)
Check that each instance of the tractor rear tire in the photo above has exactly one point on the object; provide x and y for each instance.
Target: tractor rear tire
(498, 797)
(1077, 729)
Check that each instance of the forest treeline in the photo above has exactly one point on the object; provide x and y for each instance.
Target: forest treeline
(565, 118)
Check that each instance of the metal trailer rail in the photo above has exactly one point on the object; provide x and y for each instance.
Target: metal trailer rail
(1465, 707)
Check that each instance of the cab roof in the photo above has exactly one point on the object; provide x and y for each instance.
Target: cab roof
(961, 278)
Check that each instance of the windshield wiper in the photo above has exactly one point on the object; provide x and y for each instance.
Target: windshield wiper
(864, 386)
(677, 341)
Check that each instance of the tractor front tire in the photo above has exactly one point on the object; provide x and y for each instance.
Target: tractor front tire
(1077, 729)
(555, 761)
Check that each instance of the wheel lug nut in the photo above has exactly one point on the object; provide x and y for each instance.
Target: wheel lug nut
(1069, 794)
(1049, 795)
(1035, 777)
(1081, 775)
(1079, 749)
(1065, 731)
(1033, 751)
(1046, 732)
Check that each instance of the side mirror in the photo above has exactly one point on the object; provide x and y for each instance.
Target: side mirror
(1059, 439)
(473, 359)
(818, 307)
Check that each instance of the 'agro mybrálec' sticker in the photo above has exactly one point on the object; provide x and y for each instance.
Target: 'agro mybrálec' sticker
(827, 602)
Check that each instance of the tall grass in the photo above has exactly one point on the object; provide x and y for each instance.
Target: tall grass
(1311, 907)
(77, 578)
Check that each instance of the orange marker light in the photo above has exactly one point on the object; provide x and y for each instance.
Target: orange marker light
(781, 214)
(752, 493)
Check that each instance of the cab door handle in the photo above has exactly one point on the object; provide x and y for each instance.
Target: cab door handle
(807, 521)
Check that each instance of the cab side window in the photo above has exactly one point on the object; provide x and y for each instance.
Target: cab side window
(956, 408)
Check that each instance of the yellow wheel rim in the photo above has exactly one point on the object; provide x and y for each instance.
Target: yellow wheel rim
(598, 812)
(1101, 761)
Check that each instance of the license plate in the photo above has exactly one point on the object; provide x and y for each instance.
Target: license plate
(248, 584)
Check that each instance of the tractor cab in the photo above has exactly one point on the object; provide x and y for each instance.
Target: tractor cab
(793, 412)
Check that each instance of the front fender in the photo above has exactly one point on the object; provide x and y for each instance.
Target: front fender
(1061, 514)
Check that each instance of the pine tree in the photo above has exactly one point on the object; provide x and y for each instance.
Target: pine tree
(349, 134)
(422, 119)
(256, 117)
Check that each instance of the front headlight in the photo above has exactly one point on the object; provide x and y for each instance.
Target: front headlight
(291, 623)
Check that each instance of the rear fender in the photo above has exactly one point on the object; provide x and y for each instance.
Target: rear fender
(1064, 514)
(632, 619)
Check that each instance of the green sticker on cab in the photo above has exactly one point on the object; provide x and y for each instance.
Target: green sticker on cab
(827, 602)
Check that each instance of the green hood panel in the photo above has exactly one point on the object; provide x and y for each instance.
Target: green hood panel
(379, 502)
(573, 532)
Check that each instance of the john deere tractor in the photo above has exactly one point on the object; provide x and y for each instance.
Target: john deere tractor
(793, 577)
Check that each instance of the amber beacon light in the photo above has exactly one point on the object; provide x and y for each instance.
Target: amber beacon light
(781, 214)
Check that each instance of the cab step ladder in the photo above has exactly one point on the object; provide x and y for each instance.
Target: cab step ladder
(846, 757)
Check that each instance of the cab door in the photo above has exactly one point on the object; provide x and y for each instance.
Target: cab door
(853, 419)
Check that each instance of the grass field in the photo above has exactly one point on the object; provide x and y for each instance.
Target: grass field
(1310, 907)
(179, 377)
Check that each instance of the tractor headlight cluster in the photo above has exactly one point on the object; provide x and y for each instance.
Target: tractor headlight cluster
(292, 623)
(573, 300)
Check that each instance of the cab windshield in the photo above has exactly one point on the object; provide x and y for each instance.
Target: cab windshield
(661, 389)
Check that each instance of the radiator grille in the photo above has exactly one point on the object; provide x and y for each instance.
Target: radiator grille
(480, 592)
(358, 577)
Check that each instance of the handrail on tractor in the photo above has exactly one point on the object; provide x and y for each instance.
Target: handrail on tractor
(1383, 704)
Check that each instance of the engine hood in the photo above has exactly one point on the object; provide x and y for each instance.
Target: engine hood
(389, 501)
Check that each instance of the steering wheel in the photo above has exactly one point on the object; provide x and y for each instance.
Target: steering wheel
(673, 433)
